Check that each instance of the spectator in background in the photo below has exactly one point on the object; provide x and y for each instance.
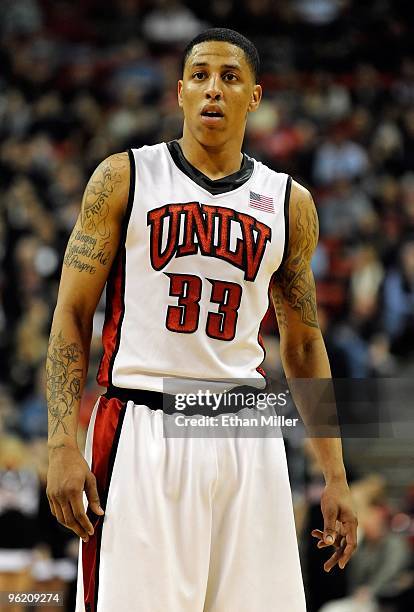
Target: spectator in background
(344, 210)
(19, 504)
(339, 158)
(367, 273)
(325, 100)
(399, 300)
(33, 411)
(171, 22)
(318, 12)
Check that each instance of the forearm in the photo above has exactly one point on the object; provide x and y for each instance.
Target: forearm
(66, 370)
(309, 360)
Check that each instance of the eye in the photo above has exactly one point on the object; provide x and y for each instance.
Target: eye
(229, 76)
(198, 76)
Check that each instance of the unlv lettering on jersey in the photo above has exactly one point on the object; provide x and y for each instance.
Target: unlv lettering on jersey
(200, 221)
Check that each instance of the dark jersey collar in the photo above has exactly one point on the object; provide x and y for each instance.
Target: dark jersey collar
(215, 187)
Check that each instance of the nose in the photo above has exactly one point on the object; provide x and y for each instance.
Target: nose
(213, 91)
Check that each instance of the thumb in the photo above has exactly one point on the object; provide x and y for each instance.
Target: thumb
(329, 512)
(91, 491)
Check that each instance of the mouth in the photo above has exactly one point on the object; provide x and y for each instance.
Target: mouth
(211, 117)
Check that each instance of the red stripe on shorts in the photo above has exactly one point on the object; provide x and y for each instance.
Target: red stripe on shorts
(108, 424)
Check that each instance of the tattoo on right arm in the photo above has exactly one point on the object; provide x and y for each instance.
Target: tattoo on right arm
(95, 208)
(91, 244)
(63, 381)
(84, 250)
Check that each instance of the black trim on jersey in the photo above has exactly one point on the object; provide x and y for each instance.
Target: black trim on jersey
(215, 187)
(285, 250)
(155, 400)
(286, 215)
(104, 499)
(122, 250)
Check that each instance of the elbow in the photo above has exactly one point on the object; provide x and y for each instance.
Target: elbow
(78, 316)
(301, 352)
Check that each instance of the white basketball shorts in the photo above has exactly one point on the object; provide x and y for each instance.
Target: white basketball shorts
(191, 524)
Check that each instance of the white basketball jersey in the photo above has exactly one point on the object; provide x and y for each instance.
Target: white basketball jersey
(189, 287)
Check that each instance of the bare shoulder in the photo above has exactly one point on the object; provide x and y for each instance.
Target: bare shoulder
(106, 192)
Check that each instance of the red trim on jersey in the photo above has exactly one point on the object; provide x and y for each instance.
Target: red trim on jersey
(113, 314)
(260, 341)
(108, 423)
(115, 305)
(259, 334)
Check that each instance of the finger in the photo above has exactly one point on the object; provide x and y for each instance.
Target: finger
(317, 533)
(350, 547)
(322, 544)
(330, 514)
(72, 523)
(58, 513)
(52, 507)
(332, 561)
(79, 513)
(346, 555)
(91, 491)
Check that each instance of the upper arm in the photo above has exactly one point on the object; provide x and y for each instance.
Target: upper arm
(94, 241)
(293, 288)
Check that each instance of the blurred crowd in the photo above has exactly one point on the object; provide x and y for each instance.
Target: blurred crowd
(82, 80)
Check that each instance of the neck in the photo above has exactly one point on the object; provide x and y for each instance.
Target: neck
(213, 161)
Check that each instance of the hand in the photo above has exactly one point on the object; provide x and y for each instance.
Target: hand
(68, 476)
(340, 524)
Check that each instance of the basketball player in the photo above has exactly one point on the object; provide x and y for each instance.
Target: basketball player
(188, 235)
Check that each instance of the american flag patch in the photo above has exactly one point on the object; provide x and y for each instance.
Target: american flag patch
(261, 202)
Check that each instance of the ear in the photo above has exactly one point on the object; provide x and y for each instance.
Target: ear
(180, 93)
(255, 99)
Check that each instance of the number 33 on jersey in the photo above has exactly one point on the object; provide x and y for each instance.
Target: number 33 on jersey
(189, 287)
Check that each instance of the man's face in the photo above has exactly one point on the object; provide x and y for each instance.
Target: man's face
(216, 92)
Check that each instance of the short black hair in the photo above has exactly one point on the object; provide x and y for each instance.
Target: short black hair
(232, 37)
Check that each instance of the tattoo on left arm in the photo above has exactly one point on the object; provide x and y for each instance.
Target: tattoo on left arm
(280, 313)
(294, 283)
